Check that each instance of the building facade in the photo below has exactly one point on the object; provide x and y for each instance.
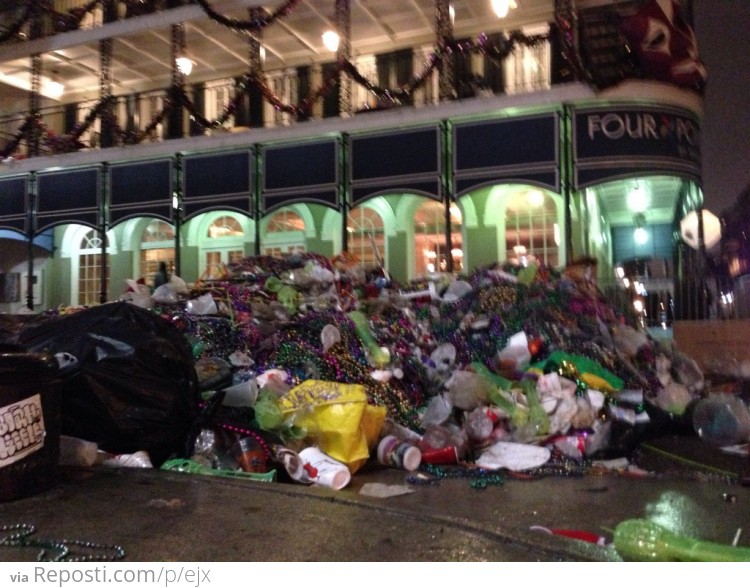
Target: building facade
(546, 141)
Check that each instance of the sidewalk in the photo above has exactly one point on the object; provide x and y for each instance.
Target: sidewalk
(169, 516)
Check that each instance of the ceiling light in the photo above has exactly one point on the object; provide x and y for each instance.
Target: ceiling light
(536, 198)
(52, 89)
(638, 199)
(640, 236)
(48, 88)
(502, 7)
(184, 65)
(331, 40)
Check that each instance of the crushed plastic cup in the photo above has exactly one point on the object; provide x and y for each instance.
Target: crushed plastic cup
(323, 470)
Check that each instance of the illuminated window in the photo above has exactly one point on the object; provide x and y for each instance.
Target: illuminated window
(366, 238)
(531, 228)
(285, 220)
(430, 250)
(285, 233)
(157, 245)
(90, 269)
(224, 246)
(225, 226)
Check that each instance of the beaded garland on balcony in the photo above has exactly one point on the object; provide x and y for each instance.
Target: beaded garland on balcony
(53, 143)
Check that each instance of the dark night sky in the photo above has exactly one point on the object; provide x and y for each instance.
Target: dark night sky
(723, 31)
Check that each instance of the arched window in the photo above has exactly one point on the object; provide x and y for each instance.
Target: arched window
(224, 245)
(285, 233)
(430, 249)
(225, 226)
(90, 269)
(157, 245)
(366, 237)
(531, 227)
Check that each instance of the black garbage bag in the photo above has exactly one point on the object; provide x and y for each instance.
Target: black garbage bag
(129, 380)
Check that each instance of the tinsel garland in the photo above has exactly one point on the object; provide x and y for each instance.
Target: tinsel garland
(305, 107)
(177, 95)
(51, 141)
(135, 137)
(202, 121)
(70, 142)
(399, 94)
(250, 26)
(496, 52)
(12, 144)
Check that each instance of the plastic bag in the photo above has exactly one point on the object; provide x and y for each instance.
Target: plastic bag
(132, 386)
(337, 418)
(202, 305)
(164, 294)
(138, 294)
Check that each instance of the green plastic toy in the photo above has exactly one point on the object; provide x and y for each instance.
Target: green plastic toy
(538, 418)
(644, 540)
(193, 467)
(378, 357)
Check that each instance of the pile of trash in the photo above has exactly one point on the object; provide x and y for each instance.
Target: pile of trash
(314, 366)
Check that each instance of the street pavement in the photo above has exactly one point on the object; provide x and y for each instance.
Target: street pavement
(689, 487)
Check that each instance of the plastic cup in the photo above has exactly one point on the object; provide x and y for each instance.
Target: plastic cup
(443, 456)
(393, 452)
(324, 470)
(249, 455)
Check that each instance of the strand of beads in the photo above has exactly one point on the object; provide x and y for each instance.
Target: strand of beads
(479, 478)
(20, 535)
(379, 393)
(562, 467)
(244, 432)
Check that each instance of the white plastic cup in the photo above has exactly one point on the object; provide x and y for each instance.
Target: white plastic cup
(393, 452)
(322, 469)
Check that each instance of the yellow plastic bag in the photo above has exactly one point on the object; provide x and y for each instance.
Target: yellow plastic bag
(337, 418)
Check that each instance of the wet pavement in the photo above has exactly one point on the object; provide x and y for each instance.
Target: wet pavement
(693, 489)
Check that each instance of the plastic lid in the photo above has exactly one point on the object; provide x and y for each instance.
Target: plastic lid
(412, 457)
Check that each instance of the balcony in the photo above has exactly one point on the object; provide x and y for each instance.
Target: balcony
(117, 63)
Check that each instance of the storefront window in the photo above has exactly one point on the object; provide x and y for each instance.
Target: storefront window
(224, 246)
(285, 233)
(431, 253)
(531, 228)
(365, 236)
(157, 245)
(90, 269)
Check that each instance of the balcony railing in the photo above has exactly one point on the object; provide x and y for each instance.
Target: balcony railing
(141, 117)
